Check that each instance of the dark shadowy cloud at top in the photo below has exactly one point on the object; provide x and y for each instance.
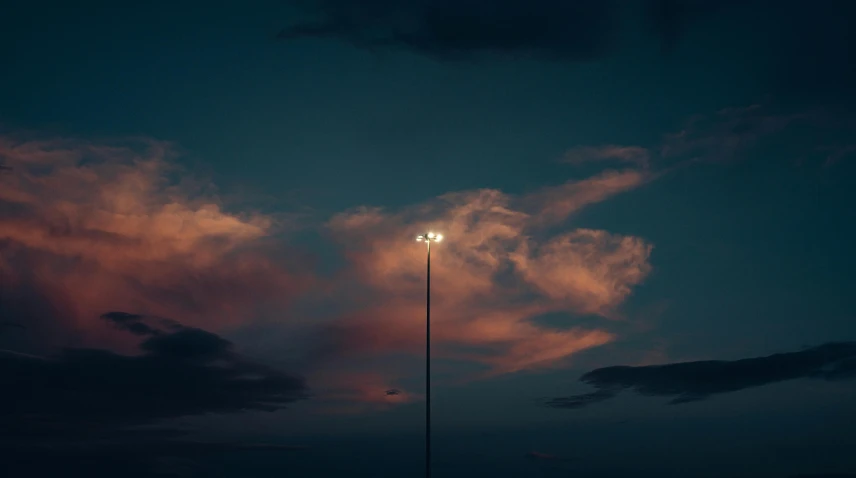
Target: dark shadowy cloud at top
(450, 29)
(693, 381)
(813, 55)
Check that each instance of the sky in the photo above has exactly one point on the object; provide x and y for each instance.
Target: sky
(208, 214)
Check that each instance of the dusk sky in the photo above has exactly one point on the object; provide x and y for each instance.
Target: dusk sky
(208, 215)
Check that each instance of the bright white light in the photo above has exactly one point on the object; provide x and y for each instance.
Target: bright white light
(429, 237)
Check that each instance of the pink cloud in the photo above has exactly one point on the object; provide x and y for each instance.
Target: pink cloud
(557, 203)
(490, 277)
(90, 228)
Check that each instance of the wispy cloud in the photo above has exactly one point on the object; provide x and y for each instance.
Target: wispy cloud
(693, 381)
(726, 134)
(497, 269)
(634, 155)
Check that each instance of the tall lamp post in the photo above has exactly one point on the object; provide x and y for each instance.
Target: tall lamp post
(428, 239)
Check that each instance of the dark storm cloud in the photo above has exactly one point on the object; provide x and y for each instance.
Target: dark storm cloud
(566, 30)
(693, 381)
(811, 54)
(182, 371)
(80, 411)
(451, 29)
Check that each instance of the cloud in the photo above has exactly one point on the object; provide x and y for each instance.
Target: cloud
(576, 30)
(447, 29)
(693, 381)
(727, 133)
(634, 155)
(501, 264)
(181, 371)
(81, 410)
(815, 64)
(720, 137)
(92, 227)
(87, 227)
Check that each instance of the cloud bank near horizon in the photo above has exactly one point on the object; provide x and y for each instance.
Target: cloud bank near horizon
(92, 227)
(693, 381)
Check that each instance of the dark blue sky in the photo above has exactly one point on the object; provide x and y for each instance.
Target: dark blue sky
(703, 153)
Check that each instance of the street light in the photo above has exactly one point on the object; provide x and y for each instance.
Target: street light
(428, 239)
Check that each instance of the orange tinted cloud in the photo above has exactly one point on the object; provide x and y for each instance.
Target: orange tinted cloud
(497, 270)
(90, 228)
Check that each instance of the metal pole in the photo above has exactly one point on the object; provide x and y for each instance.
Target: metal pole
(428, 368)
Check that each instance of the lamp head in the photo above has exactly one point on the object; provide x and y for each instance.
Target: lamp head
(429, 237)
